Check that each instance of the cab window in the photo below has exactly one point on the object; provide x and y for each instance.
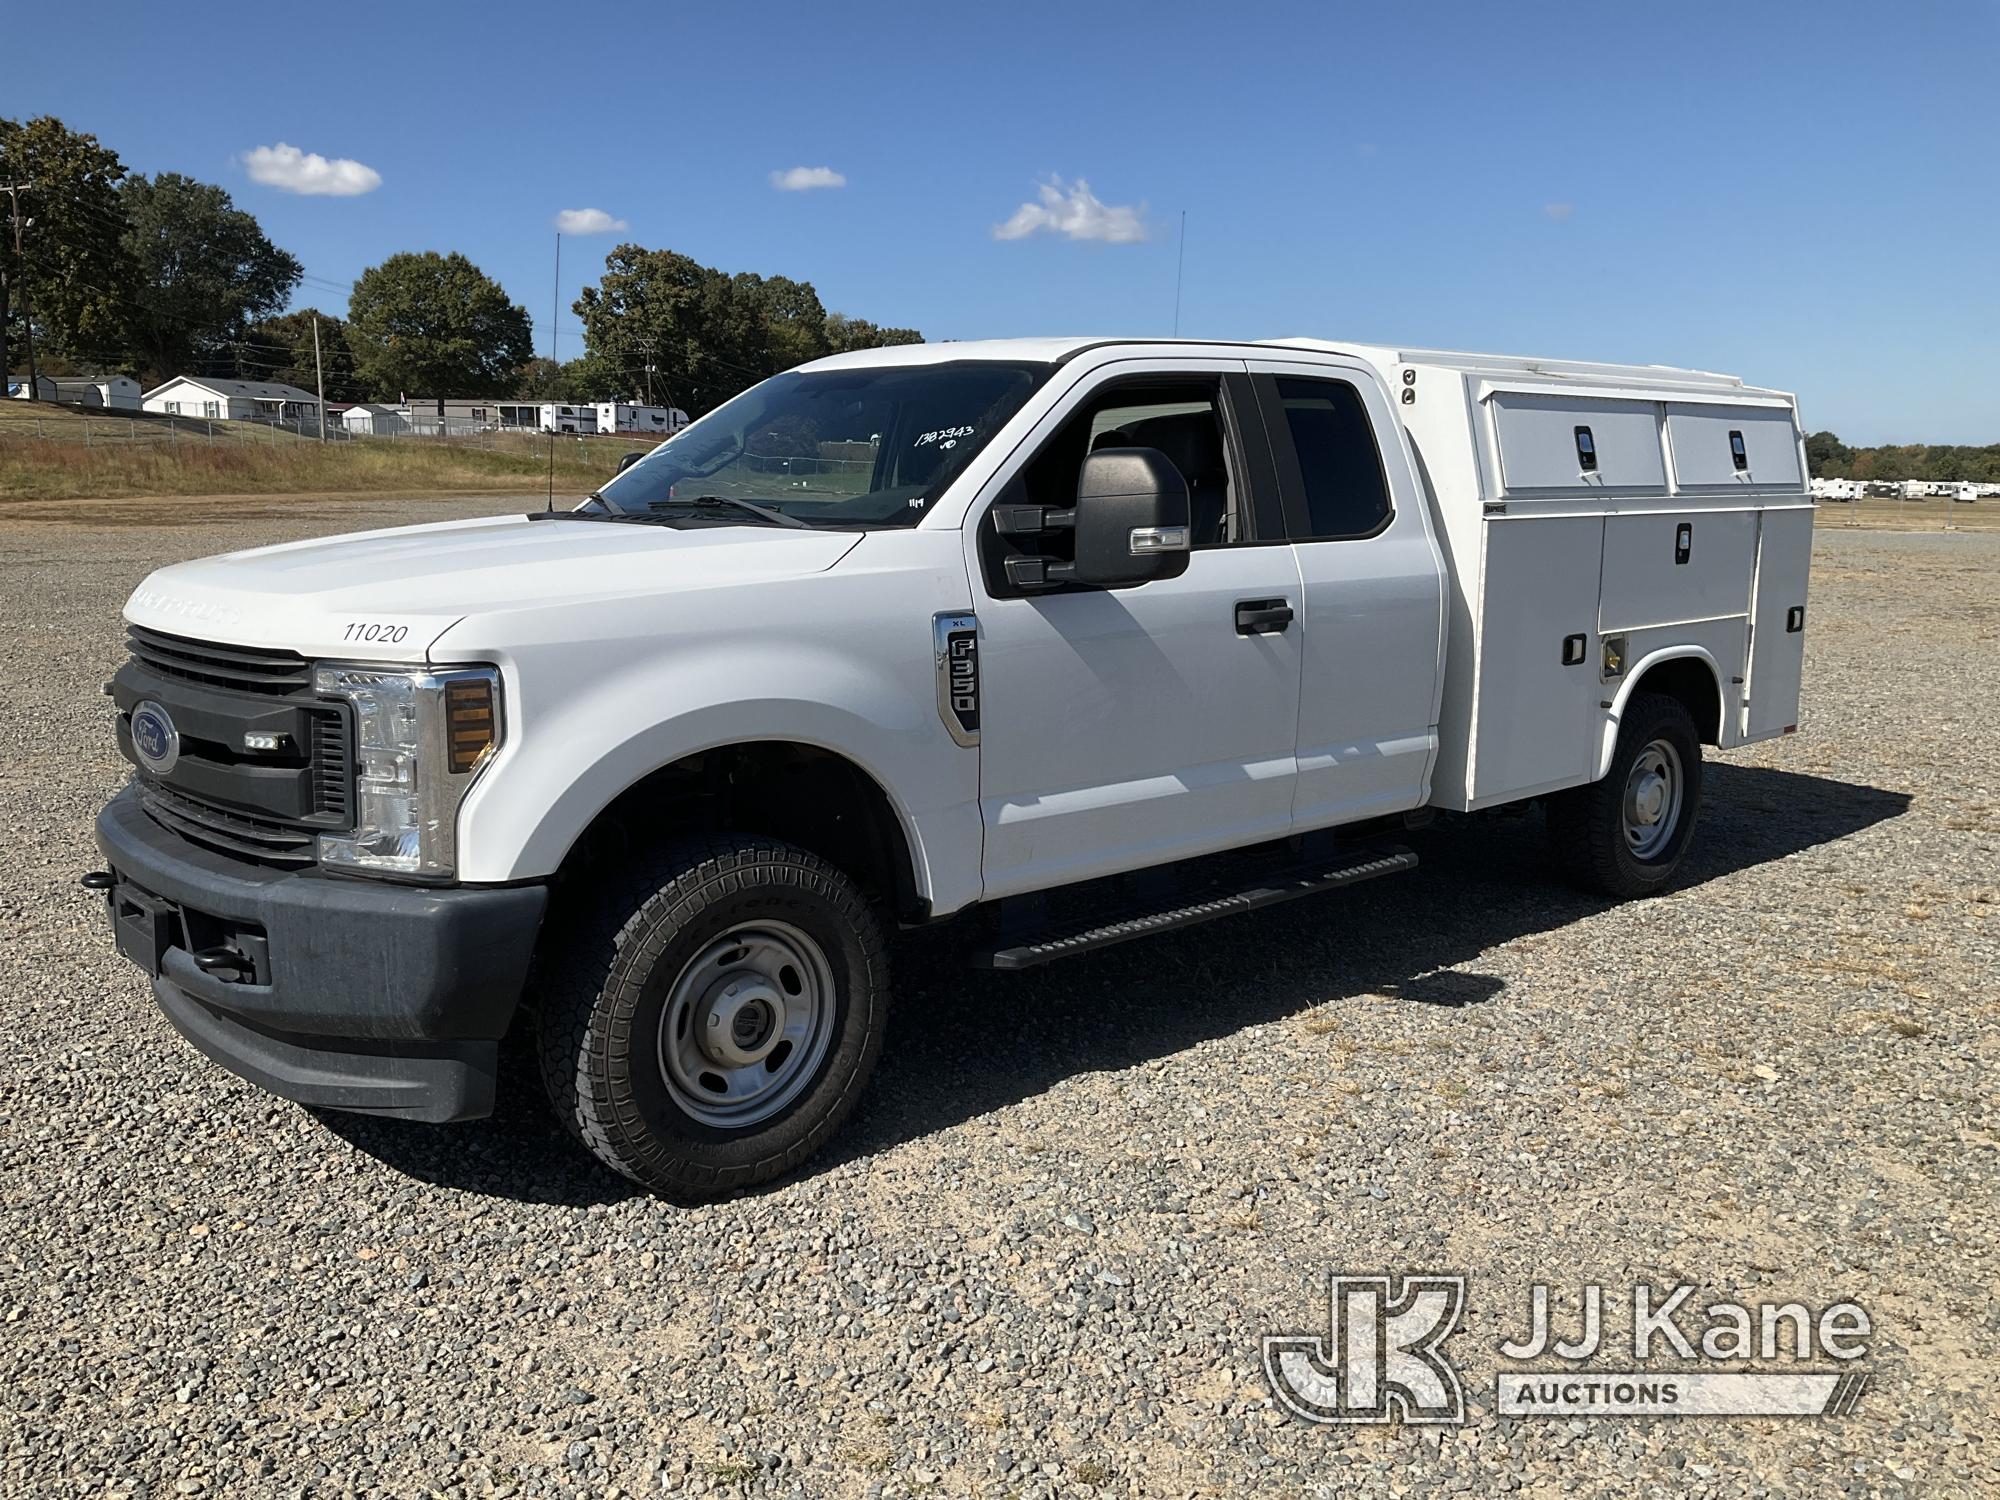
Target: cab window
(1182, 419)
(1341, 491)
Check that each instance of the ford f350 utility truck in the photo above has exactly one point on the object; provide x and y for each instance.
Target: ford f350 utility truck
(1108, 637)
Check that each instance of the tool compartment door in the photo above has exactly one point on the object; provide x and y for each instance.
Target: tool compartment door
(1777, 637)
(1537, 713)
(1665, 567)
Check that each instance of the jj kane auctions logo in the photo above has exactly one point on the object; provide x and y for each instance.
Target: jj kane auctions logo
(1382, 1356)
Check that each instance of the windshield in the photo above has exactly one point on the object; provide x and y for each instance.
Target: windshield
(861, 447)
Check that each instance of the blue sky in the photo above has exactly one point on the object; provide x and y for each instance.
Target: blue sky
(1800, 194)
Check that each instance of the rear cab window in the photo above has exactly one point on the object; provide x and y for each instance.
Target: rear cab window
(1331, 472)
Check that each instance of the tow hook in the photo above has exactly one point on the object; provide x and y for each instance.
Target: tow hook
(97, 880)
(223, 963)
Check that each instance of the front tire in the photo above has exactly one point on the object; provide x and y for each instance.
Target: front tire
(1624, 835)
(711, 1021)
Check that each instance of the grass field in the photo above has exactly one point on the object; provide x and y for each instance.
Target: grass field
(1910, 515)
(49, 453)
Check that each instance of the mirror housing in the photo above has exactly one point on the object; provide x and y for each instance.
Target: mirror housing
(1131, 518)
(626, 461)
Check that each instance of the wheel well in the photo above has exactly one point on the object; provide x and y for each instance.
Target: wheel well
(1689, 679)
(800, 793)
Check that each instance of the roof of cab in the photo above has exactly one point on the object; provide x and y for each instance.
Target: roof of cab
(1025, 351)
(1056, 350)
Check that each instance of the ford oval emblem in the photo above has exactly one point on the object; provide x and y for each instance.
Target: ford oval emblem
(154, 739)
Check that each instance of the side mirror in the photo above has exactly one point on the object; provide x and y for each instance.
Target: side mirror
(628, 460)
(1131, 518)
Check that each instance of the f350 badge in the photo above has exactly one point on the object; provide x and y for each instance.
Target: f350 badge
(956, 638)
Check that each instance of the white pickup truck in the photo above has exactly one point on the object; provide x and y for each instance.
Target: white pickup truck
(905, 634)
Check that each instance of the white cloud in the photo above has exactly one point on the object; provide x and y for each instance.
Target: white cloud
(1075, 212)
(1560, 212)
(588, 221)
(804, 179)
(296, 171)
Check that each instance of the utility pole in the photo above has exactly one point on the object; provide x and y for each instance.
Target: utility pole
(648, 345)
(14, 191)
(319, 379)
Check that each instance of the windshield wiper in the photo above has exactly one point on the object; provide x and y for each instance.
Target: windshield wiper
(711, 502)
(628, 517)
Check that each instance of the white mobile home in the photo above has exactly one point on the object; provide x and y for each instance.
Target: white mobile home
(450, 416)
(620, 416)
(233, 401)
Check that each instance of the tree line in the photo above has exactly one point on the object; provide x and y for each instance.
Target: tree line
(1827, 457)
(163, 276)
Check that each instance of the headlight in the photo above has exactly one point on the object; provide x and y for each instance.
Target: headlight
(420, 739)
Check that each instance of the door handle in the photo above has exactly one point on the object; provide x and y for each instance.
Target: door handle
(1262, 616)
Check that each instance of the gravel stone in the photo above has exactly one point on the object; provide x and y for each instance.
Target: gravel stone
(1041, 1258)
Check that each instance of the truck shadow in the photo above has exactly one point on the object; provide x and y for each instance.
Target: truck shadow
(962, 1043)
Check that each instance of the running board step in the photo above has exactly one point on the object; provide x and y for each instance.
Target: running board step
(1275, 886)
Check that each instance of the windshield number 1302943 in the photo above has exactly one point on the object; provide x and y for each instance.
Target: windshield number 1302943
(388, 635)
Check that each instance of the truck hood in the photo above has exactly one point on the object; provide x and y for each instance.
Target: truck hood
(388, 595)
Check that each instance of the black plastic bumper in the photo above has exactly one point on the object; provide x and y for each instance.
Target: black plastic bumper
(351, 993)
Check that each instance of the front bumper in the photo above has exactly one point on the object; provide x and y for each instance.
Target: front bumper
(351, 993)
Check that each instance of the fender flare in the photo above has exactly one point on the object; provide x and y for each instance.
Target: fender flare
(1615, 715)
(564, 823)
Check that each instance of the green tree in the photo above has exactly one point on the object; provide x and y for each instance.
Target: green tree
(681, 315)
(205, 271)
(542, 379)
(845, 334)
(707, 334)
(795, 321)
(430, 325)
(77, 270)
(1827, 457)
(281, 348)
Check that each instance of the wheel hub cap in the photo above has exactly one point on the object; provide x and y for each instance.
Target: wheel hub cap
(1652, 801)
(746, 1024)
(739, 1022)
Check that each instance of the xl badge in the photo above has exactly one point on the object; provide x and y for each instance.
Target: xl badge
(154, 739)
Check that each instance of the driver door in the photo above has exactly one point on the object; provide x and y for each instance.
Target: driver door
(1128, 727)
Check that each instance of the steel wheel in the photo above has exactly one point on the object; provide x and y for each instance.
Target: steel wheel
(1652, 800)
(747, 1024)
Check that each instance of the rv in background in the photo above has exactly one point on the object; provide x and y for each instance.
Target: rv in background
(619, 416)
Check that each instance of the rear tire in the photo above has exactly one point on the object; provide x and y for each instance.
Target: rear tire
(711, 1020)
(1624, 835)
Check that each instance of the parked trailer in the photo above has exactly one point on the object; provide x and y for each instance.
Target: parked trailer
(557, 416)
(620, 416)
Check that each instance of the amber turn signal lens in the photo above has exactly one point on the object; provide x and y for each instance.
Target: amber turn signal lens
(468, 717)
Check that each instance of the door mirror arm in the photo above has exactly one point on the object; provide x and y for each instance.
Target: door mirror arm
(1129, 525)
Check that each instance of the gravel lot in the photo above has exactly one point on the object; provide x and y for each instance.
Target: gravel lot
(1041, 1260)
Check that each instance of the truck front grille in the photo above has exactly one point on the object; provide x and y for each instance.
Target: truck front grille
(332, 775)
(260, 839)
(269, 806)
(242, 669)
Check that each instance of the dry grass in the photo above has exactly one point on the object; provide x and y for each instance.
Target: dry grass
(129, 459)
(1910, 515)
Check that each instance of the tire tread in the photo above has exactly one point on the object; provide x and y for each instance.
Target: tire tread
(597, 973)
